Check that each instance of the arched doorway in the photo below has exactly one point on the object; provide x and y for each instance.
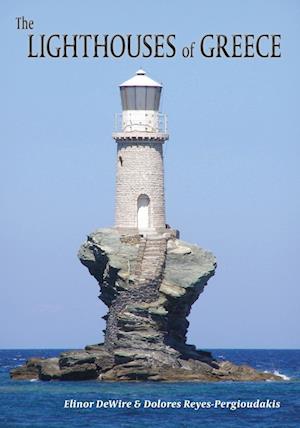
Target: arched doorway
(143, 203)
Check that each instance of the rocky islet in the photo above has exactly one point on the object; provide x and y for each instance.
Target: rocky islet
(149, 285)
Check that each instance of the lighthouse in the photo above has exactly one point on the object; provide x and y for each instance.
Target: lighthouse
(140, 132)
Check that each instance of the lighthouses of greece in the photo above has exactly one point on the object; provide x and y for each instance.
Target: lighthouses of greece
(141, 133)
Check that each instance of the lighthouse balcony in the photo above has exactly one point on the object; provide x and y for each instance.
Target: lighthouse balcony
(141, 125)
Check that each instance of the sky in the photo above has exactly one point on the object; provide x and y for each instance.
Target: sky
(231, 168)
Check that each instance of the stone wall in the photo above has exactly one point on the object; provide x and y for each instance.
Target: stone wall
(140, 170)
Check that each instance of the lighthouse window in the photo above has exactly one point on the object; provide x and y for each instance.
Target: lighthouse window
(120, 161)
(157, 99)
(140, 99)
(150, 99)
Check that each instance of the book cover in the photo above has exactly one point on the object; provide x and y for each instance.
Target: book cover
(216, 139)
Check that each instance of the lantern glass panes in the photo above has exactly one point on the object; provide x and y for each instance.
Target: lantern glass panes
(140, 97)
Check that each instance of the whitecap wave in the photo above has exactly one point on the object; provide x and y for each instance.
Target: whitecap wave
(277, 373)
(283, 376)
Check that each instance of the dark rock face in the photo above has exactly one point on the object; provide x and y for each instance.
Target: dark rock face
(149, 286)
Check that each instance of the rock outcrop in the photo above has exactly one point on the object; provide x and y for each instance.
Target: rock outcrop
(149, 285)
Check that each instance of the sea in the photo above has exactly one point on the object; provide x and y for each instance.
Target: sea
(148, 404)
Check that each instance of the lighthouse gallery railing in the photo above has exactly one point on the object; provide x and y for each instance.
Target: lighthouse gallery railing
(159, 124)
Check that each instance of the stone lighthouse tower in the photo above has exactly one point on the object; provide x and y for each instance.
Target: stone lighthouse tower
(141, 132)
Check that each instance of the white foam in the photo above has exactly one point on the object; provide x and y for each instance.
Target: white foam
(283, 376)
(276, 372)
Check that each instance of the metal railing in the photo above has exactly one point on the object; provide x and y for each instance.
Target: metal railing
(147, 122)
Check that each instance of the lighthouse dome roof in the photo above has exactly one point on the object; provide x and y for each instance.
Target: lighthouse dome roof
(141, 79)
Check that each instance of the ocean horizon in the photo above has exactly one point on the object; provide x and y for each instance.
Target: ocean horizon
(142, 404)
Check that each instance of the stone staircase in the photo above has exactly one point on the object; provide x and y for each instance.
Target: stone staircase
(150, 260)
